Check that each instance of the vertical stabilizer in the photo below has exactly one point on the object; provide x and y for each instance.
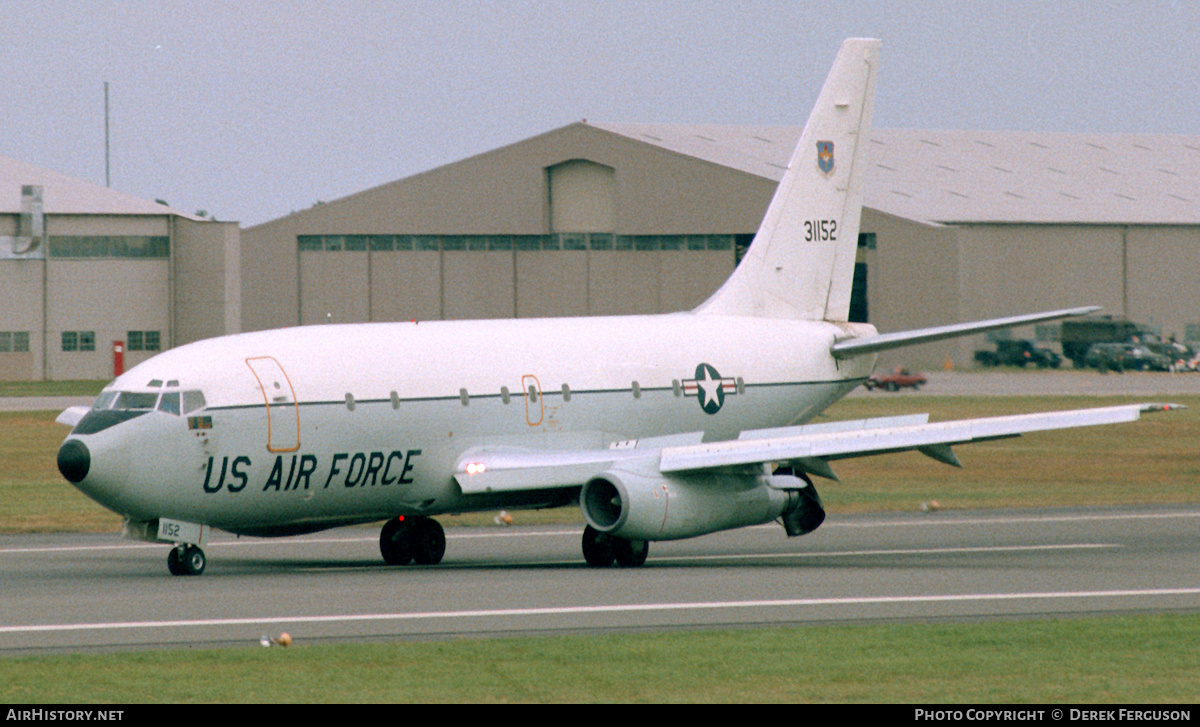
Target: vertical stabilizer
(801, 263)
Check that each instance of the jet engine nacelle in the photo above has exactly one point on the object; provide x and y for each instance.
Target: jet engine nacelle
(642, 505)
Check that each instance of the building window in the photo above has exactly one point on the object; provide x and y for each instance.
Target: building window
(14, 341)
(143, 341)
(866, 240)
(79, 340)
(110, 246)
(556, 241)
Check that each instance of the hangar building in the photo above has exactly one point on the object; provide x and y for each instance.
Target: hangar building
(600, 218)
(84, 269)
(604, 218)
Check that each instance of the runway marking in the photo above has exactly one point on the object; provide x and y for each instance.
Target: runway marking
(671, 559)
(665, 558)
(523, 533)
(934, 520)
(276, 542)
(598, 609)
(910, 551)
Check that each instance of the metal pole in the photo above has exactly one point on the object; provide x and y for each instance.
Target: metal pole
(107, 163)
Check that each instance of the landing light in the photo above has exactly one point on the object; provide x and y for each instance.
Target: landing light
(476, 468)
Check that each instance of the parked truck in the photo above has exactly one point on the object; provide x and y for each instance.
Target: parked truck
(1019, 353)
(1079, 334)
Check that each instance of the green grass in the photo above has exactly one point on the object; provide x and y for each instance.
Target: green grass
(1125, 659)
(1151, 461)
(51, 388)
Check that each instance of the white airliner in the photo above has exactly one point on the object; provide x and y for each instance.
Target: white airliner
(659, 426)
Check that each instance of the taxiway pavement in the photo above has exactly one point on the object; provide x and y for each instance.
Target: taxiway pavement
(68, 592)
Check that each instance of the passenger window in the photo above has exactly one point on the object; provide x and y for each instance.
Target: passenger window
(192, 400)
(169, 403)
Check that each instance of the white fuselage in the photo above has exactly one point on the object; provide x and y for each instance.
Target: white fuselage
(318, 426)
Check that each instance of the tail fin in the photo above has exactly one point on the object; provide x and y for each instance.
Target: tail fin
(801, 263)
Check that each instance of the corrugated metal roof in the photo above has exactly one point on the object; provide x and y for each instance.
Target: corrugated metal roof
(961, 177)
(63, 194)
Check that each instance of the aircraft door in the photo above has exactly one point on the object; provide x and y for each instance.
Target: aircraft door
(534, 408)
(283, 412)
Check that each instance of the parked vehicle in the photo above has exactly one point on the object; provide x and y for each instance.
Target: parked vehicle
(895, 380)
(1181, 356)
(1019, 353)
(1078, 335)
(1129, 356)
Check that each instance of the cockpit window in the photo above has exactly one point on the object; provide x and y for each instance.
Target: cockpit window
(175, 403)
(192, 400)
(169, 402)
(135, 400)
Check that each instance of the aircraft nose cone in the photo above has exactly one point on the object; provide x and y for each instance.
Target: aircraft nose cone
(74, 460)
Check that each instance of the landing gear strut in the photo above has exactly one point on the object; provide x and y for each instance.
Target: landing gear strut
(601, 549)
(186, 559)
(405, 540)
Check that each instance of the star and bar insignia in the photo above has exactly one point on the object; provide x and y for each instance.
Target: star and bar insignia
(710, 388)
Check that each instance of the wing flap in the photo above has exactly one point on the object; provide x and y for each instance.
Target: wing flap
(511, 469)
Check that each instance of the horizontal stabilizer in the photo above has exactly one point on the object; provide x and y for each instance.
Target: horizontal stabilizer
(864, 345)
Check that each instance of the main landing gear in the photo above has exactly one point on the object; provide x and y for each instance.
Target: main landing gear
(405, 540)
(186, 559)
(601, 549)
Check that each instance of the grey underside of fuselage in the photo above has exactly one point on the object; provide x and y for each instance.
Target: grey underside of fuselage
(385, 458)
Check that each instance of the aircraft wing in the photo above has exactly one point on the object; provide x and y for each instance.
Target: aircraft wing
(72, 414)
(863, 345)
(935, 440)
(809, 447)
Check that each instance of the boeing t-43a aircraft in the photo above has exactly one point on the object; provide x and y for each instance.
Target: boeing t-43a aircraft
(659, 426)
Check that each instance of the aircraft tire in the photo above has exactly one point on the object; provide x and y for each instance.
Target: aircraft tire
(427, 542)
(597, 548)
(630, 553)
(186, 560)
(395, 542)
(173, 562)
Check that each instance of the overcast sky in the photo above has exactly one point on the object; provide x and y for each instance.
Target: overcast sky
(252, 109)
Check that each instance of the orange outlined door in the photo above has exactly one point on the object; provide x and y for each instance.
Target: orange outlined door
(283, 413)
(534, 408)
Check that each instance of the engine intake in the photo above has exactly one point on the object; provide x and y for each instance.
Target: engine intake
(639, 503)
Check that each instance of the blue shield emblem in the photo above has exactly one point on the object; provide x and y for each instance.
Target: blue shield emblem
(825, 156)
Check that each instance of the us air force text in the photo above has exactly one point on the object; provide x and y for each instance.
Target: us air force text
(359, 469)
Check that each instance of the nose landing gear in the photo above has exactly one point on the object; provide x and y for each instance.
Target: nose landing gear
(186, 559)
